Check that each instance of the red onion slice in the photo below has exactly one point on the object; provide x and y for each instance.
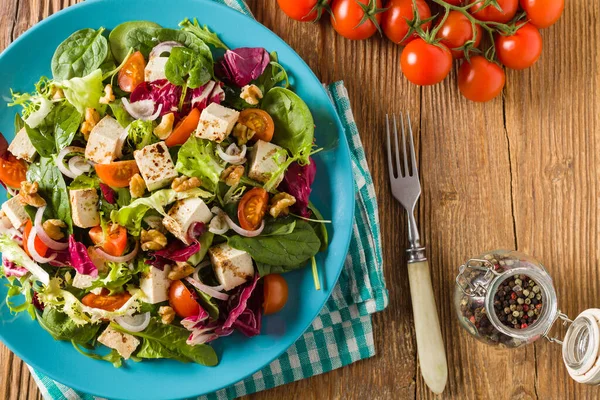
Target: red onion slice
(143, 109)
(33, 252)
(135, 323)
(48, 241)
(120, 259)
(209, 290)
(230, 155)
(164, 47)
(78, 165)
(240, 231)
(60, 160)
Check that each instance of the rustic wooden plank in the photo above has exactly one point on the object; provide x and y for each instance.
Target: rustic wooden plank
(554, 131)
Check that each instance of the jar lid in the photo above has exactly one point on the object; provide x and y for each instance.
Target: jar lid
(581, 347)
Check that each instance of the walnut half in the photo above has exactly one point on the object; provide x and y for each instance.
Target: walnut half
(232, 175)
(183, 183)
(167, 314)
(109, 96)
(52, 228)
(137, 186)
(242, 133)
(91, 119)
(29, 194)
(280, 204)
(251, 94)
(180, 271)
(153, 240)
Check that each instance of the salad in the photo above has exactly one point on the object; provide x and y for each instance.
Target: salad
(158, 185)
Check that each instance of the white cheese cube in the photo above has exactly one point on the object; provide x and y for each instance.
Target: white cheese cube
(265, 159)
(155, 285)
(232, 266)
(155, 69)
(183, 214)
(15, 211)
(124, 343)
(84, 207)
(216, 122)
(155, 165)
(21, 146)
(82, 281)
(104, 144)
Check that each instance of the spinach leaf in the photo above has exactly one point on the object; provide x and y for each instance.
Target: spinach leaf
(80, 54)
(294, 123)
(42, 136)
(202, 33)
(19, 123)
(319, 227)
(53, 189)
(62, 327)
(120, 114)
(67, 120)
(117, 37)
(288, 250)
(144, 40)
(279, 226)
(187, 68)
(267, 269)
(154, 349)
(273, 75)
(113, 357)
(208, 304)
(173, 339)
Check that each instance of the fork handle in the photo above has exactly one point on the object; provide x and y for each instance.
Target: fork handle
(430, 345)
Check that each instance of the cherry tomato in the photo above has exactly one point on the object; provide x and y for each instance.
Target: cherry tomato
(118, 173)
(424, 63)
(115, 243)
(346, 17)
(259, 121)
(491, 13)
(180, 298)
(40, 247)
(304, 10)
(276, 293)
(132, 73)
(106, 302)
(480, 80)
(521, 50)
(252, 208)
(13, 171)
(543, 13)
(184, 129)
(456, 31)
(395, 19)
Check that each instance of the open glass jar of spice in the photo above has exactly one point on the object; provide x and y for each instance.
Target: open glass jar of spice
(507, 299)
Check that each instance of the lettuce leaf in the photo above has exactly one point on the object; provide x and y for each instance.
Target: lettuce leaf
(198, 157)
(13, 252)
(84, 92)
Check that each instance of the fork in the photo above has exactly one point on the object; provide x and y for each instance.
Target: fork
(406, 188)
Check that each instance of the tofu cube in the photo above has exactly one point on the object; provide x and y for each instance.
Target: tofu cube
(15, 211)
(21, 146)
(155, 69)
(232, 266)
(216, 122)
(104, 144)
(155, 285)
(124, 343)
(84, 207)
(183, 214)
(155, 165)
(265, 159)
(82, 281)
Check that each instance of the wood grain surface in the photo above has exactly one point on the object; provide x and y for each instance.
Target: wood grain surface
(518, 172)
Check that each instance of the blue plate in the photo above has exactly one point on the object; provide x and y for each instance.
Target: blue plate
(29, 57)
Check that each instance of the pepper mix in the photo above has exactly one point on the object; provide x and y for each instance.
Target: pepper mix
(518, 302)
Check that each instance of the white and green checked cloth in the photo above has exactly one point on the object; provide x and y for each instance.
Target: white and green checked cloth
(342, 333)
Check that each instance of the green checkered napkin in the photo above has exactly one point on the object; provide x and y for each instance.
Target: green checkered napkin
(342, 333)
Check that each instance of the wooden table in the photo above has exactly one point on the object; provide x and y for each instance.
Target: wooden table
(518, 172)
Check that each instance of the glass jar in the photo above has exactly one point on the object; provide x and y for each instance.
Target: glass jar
(496, 298)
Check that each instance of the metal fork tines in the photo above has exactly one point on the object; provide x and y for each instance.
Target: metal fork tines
(404, 179)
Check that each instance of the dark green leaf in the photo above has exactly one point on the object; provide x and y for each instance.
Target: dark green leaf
(144, 40)
(42, 138)
(19, 123)
(279, 226)
(267, 269)
(113, 357)
(273, 75)
(208, 304)
(67, 121)
(62, 327)
(80, 54)
(187, 68)
(154, 349)
(120, 114)
(118, 35)
(284, 250)
(202, 33)
(319, 227)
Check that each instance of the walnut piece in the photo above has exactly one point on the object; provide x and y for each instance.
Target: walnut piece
(91, 119)
(183, 183)
(29, 195)
(280, 204)
(180, 271)
(232, 175)
(109, 96)
(167, 314)
(137, 186)
(242, 133)
(52, 228)
(153, 240)
(251, 94)
(164, 129)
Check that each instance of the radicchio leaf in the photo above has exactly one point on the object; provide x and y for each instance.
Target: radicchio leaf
(35, 300)
(196, 230)
(241, 66)
(161, 92)
(80, 260)
(297, 181)
(12, 269)
(245, 308)
(176, 251)
(3, 147)
(108, 193)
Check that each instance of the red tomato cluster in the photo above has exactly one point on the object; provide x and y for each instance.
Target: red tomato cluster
(485, 35)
